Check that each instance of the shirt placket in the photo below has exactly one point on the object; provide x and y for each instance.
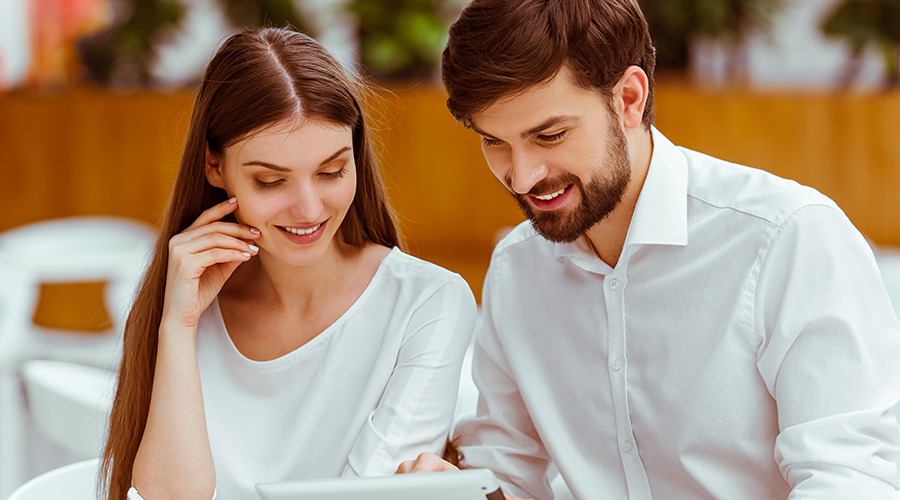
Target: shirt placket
(635, 475)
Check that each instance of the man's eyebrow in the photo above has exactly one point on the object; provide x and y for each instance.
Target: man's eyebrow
(480, 132)
(549, 122)
(278, 168)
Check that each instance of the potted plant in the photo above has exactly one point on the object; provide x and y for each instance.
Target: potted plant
(402, 39)
(124, 53)
(862, 23)
(698, 32)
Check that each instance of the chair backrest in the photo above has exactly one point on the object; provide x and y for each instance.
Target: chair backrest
(888, 260)
(70, 404)
(73, 249)
(76, 481)
(112, 250)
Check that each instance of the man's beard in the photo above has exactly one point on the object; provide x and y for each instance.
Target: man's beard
(600, 197)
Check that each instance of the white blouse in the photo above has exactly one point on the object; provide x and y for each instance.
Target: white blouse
(377, 387)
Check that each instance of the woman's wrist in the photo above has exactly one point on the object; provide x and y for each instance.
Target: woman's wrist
(176, 328)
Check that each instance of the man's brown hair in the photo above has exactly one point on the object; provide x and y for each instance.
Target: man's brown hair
(498, 48)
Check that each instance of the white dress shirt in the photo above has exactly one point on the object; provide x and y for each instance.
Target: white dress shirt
(743, 347)
(377, 387)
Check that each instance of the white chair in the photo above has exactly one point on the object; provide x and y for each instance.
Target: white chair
(112, 250)
(888, 259)
(76, 481)
(70, 404)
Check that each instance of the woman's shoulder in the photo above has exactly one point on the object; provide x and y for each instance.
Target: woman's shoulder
(403, 266)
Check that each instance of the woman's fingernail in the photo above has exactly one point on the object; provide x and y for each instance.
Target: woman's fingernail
(232, 199)
(254, 248)
(246, 254)
(254, 230)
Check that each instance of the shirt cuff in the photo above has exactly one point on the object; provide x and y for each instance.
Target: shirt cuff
(134, 495)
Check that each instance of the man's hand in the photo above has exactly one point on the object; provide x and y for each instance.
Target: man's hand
(425, 462)
(429, 462)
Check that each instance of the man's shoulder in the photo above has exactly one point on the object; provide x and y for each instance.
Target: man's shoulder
(749, 191)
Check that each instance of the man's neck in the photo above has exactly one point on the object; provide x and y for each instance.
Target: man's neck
(607, 237)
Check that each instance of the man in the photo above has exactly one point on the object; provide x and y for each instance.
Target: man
(667, 325)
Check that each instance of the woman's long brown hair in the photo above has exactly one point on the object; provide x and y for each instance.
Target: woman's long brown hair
(257, 78)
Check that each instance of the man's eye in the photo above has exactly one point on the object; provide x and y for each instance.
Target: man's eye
(553, 137)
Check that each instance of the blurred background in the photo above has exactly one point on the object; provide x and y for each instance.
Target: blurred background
(95, 99)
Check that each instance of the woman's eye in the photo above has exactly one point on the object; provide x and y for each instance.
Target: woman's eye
(337, 174)
(267, 184)
(489, 142)
(553, 137)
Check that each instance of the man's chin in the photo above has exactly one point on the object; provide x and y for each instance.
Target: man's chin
(555, 233)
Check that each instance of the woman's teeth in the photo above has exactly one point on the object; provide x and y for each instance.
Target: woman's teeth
(294, 230)
(550, 196)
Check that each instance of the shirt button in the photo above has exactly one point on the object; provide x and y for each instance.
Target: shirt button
(614, 284)
(617, 364)
(627, 446)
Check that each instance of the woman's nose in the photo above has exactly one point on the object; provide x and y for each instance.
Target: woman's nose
(306, 204)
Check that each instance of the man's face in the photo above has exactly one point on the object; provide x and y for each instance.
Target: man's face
(560, 151)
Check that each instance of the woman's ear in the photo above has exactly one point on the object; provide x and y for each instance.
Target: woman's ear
(213, 169)
(632, 92)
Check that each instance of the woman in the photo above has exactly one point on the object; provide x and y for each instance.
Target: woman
(280, 333)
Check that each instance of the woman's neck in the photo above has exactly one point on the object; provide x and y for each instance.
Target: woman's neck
(292, 287)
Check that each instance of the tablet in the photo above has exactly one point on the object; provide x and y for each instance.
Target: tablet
(469, 484)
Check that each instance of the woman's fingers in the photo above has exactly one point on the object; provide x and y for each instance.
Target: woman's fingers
(210, 241)
(239, 231)
(215, 212)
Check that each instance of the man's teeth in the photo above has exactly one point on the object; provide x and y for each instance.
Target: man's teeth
(293, 230)
(550, 196)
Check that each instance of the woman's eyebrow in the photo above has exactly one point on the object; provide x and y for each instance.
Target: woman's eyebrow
(278, 168)
(337, 153)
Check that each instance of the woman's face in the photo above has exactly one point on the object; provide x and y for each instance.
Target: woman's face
(295, 183)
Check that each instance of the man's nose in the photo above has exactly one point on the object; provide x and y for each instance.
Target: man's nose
(527, 170)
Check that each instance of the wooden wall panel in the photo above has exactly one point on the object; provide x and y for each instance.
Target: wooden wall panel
(91, 152)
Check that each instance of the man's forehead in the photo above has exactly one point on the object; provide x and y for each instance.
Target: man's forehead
(534, 108)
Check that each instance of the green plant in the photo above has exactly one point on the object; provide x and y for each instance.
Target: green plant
(868, 22)
(246, 13)
(674, 23)
(125, 52)
(401, 38)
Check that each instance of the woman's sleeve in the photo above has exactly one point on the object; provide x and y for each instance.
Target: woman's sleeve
(416, 410)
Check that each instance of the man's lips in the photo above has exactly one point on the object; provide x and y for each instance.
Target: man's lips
(552, 200)
(550, 196)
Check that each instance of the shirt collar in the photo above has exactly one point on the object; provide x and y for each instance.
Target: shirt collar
(660, 216)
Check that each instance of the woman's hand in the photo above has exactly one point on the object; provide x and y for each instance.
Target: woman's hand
(201, 259)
